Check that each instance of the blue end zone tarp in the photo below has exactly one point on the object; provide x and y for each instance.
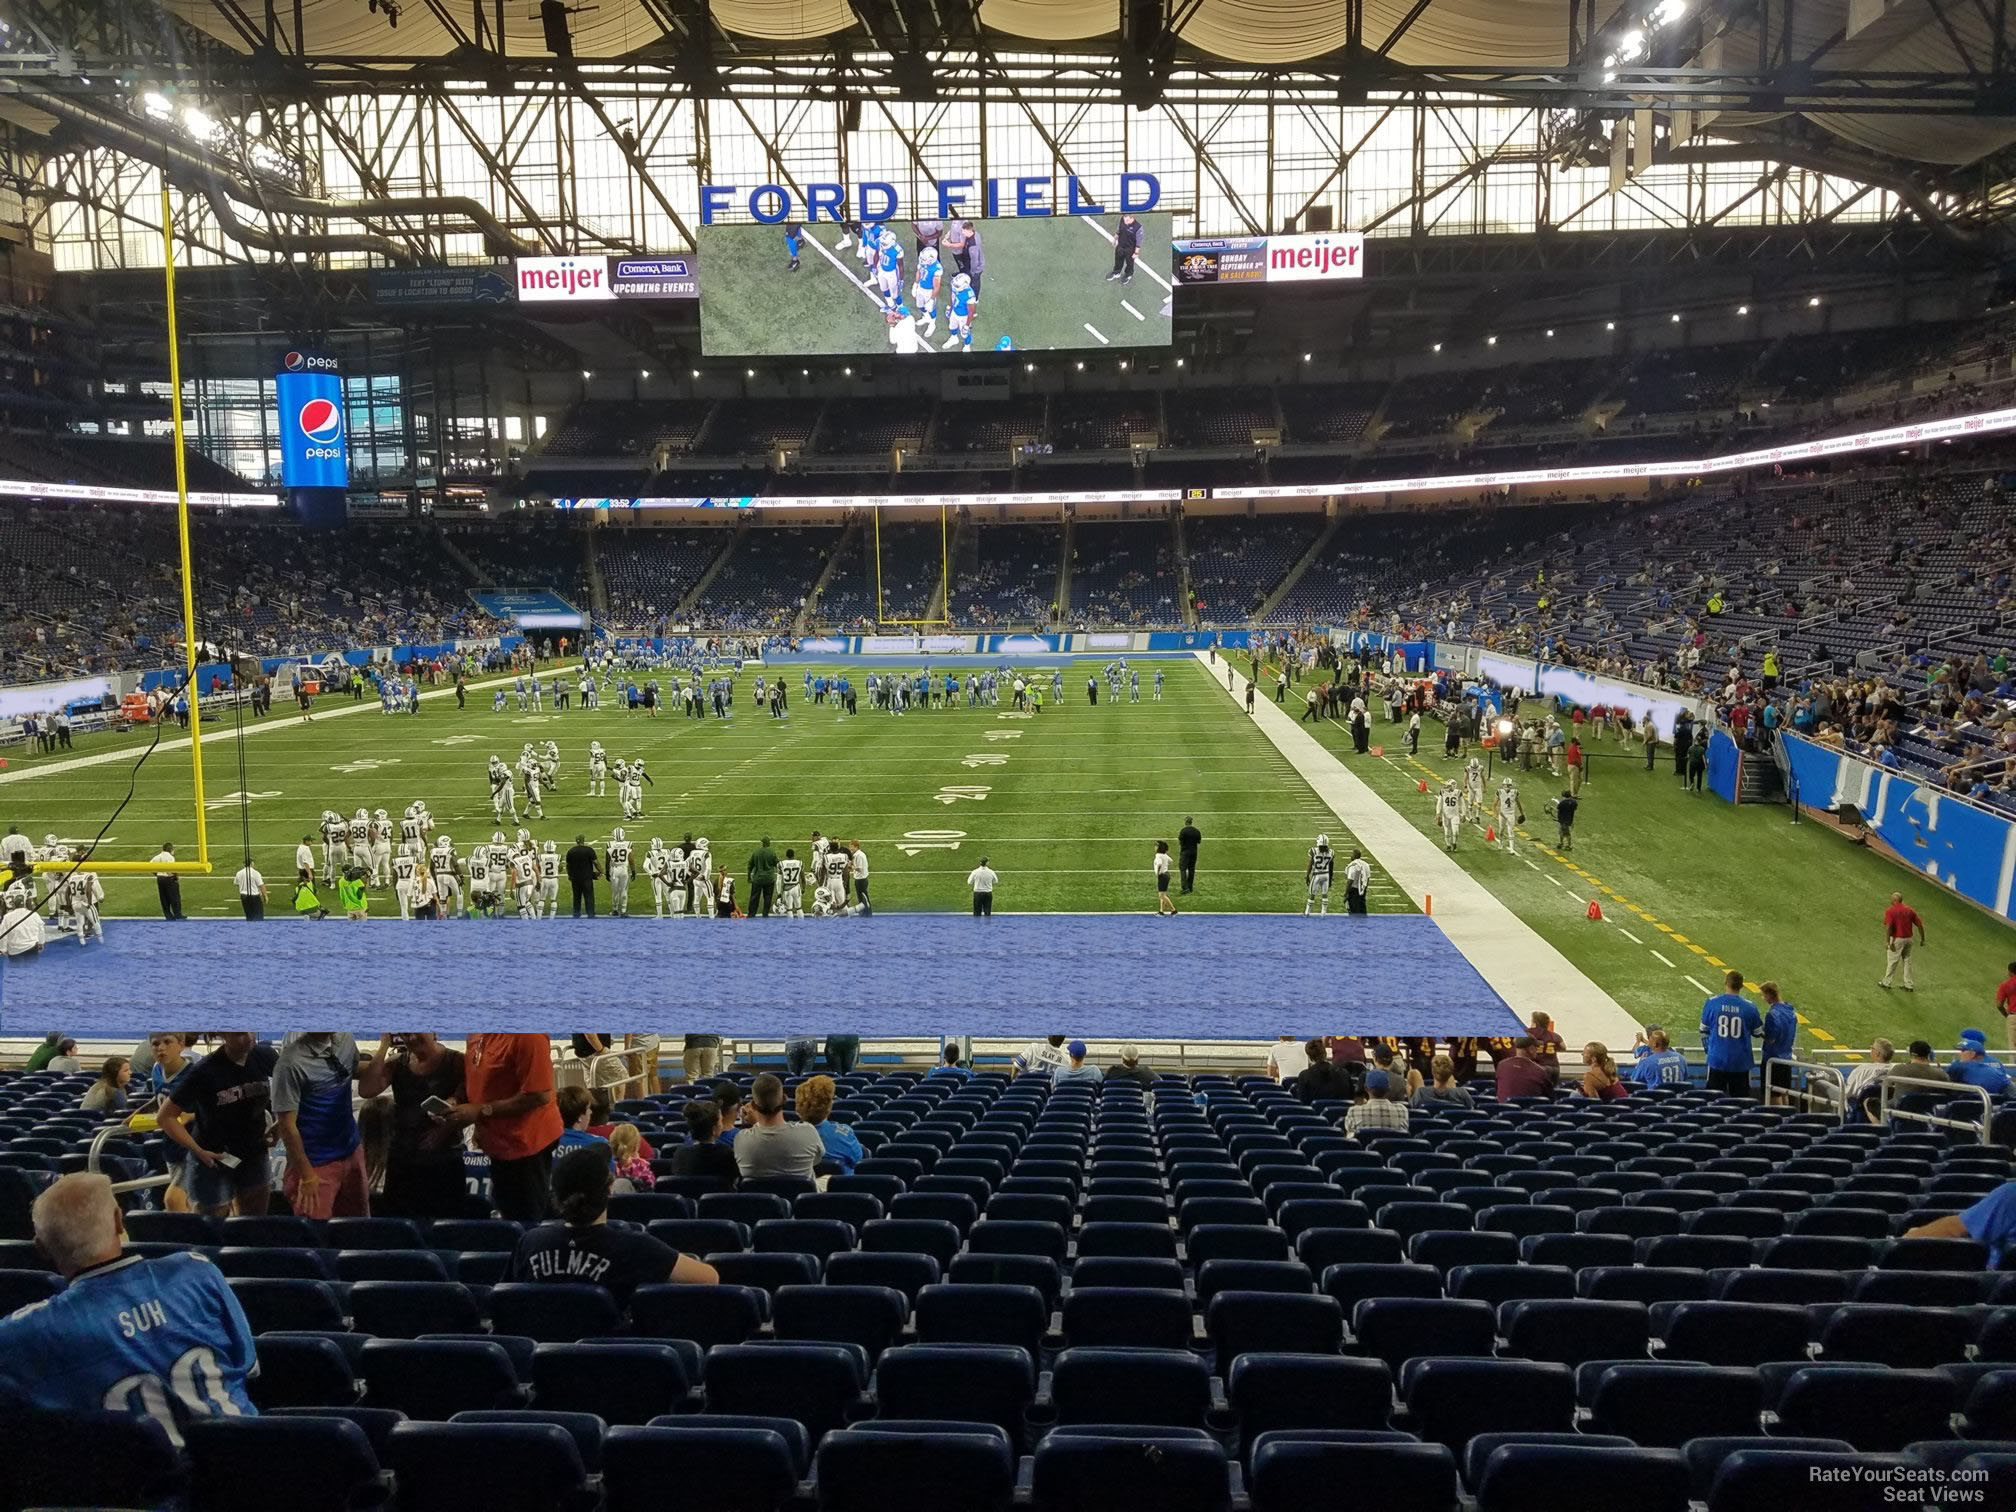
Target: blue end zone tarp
(1116, 976)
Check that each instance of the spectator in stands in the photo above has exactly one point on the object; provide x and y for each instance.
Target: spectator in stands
(815, 1107)
(1991, 1222)
(108, 1093)
(577, 1110)
(1131, 1069)
(1075, 1070)
(1040, 1057)
(1599, 1073)
(700, 1056)
(1322, 1077)
(582, 1246)
(703, 1154)
(1285, 1059)
(734, 1111)
(1378, 1110)
(42, 1054)
(1654, 1061)
(1975, 1067)
(65, 1061)
(1523, 1074)
(423, 1161)
(1406, 1080)
(1443, 1089)
(948, 1064)
(1729, 1021)
(627, 1160)
(509, 1082)
(124, 1330)
(770, 1146)
(169, 1058)
(312, 1106)
(1861, 1087)
(216, 1111)
(1900, 922)
(1920, 1066)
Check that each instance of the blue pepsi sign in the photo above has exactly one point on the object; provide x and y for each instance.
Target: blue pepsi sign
(314, 451)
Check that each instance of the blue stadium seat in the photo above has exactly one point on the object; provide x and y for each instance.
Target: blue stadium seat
(1511, 1283)
(869, 1316)
(88, 1459)
(1733, 1333)
(935, 1237)
(1149, 1388)
(373, 1234)
(766, 1272)
(851, 1208)
(907, 1274)
(1571, 1332)
(796, 1441)
(1742, 1222)
(1643, 1283)
(1398, 1329)
(1663, 1406)
(1445, 1249)
(1572, 1478)
(1820, 1252)
(290, 1305)
(1903, 1336)
(488, 1235)
(955, 1208)
(884, 1189)
(1009, 1236)
(820, 1385)
(1038, 1272)
(1795, 1288)
(1216, 1275)
(272, 1228)
(1874, 1408)
(194, 1229)
(1093, 1469)
(1934, 1254)
(1451, 1401)
(1127, 1316)
(554, 1312)
(18, 1288)
(1522, 1219)
(1269, 1391)
(1577, 1251)
(586, 1428)
(433, 1379)
(700, 1236)
(1915, 1288)
(1991, 1405)
(872, 1466)
(1321, 1248)
(1704, 1455)
(708, 1315)
(407, 1309)
(978, 1383)
(1234, 1241)
(1770, 1479)
(273, 1263)
(1301, 1214)
(965, 1313)
(300, 1370)
(749, 1208)
(1698, 1251)
(391, 1265)
(618, 1380)
(326, 1463)
(819, 1237)
(1138, 1240)
(1272, 1322)
(1352, 1284)
(1293, 1471)
(513, 1467)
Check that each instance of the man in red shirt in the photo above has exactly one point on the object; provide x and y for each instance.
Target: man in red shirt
(1547, 1044)
(1900, 920)
(509, 1082)
(2005, 1004)
(1520, 1075)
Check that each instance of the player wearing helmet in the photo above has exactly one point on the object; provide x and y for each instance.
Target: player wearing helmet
(503, 792)
(1449, 812)
(654, 868)
(549, 879)
(1316, 876)
(617, 866)
(964, 305)
(381, 849)
(598, 770)
(447, 875)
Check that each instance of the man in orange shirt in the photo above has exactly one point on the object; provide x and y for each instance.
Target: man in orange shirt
(509, 1082)
(1900, 920)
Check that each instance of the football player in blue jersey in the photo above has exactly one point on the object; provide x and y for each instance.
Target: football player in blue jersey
(924, 293)
(871, 237)
(889, 269)
(794, 237)
(959, 315)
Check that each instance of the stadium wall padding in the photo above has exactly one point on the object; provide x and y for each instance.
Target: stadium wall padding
(1725, 767)
(1965, 848)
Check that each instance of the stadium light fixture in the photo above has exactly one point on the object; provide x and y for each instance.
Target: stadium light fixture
(1305, 356)
(157, 105)
(1123, 365)
(1550, 333)
(1742, 309)
(1666, 12)
(1081, 367)
(643, 372)
(1028, 367)
(1179, 362)
(804, 372)
(1506, 727)
(749, 372)
(847, 372)
(586, 375)
(1813, 303)
(1675, 317)
(696, 372)
(1631, 46)
(199, 125)
(1609, 325)
(1436, 348)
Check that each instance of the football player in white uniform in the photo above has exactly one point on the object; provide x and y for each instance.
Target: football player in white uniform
(403, 868)
(381, 848)
(838, 865)
(791, 877)
(334, 850)
(549, 879)
(633, 802)
(654, 867)
(598, 770)
(503, 792)
(1473, 789)
(479, 881)
(529, 774)
(412, 831)
(700, 878)
(1316, 876)
(359, 836)
(525, 880)
(549, 763)
(619, 874)
(79, 897)
(1509, 813)
(498, 877)
(1449, 813)
(447, 878)
(675, 878)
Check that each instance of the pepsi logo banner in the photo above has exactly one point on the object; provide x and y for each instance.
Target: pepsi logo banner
(314, 449)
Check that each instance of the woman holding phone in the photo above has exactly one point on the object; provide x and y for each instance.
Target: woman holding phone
(423, 1166)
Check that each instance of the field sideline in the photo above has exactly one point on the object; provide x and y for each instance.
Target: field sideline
(1067, 805)
(1692, 881)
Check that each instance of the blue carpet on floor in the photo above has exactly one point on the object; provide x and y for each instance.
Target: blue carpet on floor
(1116, 976)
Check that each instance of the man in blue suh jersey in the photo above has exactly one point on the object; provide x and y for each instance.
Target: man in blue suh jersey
(1729, 1021)
(162, 1338)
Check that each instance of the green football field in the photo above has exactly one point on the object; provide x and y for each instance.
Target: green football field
(1689, 880)
(1044, 288)
(1067, 805)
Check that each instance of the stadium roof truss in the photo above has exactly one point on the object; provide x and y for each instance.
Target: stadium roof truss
(363, 132)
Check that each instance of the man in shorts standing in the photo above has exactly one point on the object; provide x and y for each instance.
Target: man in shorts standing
(216, 1111)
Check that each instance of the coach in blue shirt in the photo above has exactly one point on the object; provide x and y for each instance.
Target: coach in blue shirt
(157, 1338)
(1729, 1021)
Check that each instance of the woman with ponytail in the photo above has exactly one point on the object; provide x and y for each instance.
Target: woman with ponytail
(581, 1246)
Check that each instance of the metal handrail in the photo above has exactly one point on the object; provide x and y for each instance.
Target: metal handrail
(1833, 1088)
(143, 1183)
(1891, 1088)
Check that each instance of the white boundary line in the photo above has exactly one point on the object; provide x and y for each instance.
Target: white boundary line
(1113, 241)
(1132, 311)
(1699, 988)
(1521, 966)
(834, 258)
(1663, 961)
(1095, 333)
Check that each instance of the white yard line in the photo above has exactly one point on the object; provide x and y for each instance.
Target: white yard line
(1096, 336)
(1520, 966)
(1111, 241)
(1628, 935)
(1699, 988)
(834, 258)
(1662, 960)
(1132, 311)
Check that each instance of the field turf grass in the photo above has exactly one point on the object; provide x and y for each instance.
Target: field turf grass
(1067, 805)
(1044, 282)
(1711, 887)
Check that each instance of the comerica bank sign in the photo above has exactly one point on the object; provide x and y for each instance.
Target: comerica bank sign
(772, 204)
